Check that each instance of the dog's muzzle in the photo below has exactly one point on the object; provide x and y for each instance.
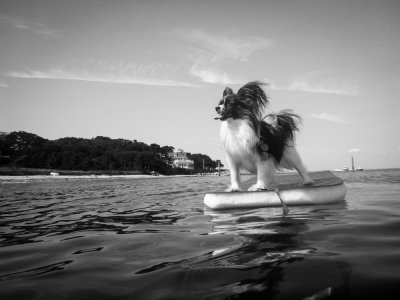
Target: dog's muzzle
(218, 110)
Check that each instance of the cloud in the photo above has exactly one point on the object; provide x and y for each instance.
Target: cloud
(354, 150)
(211, 76)
(3, 84)
(343, 83)
(222, 46)
(335, 82)
(210, 51)
(272, 85)
(32, 27)
(100, 77)
(329, 117)
(304, 86)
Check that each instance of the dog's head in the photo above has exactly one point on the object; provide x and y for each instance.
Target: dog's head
(227, 105)
(248, 103)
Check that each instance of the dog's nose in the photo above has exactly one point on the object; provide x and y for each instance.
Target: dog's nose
(218, 109)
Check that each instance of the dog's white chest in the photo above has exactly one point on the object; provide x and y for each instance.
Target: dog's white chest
(238, 137)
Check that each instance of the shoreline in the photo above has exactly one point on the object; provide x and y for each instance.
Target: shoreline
(33, 178)
(17, 171)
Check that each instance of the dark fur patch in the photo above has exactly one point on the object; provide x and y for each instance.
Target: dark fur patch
(278, 135)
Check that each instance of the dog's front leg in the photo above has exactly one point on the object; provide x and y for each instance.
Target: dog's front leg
(234, 169)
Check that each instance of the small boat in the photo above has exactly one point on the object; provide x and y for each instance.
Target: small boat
(327, 188)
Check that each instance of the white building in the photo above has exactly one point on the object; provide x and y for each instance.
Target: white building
(180, 160)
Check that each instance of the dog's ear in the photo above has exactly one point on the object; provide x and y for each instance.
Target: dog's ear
(227, 91)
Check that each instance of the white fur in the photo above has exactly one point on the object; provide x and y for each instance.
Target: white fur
(240, 143)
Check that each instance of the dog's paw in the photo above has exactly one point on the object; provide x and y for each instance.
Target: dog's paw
(233, 189)
(258, 187)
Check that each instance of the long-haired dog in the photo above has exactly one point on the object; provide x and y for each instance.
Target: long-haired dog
(253, 143)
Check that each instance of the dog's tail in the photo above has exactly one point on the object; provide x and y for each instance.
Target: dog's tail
(286, 123)
(277, 131)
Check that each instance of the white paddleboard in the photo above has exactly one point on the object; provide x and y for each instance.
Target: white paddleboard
(328, 188)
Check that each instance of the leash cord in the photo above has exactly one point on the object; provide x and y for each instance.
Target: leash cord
(284, 206)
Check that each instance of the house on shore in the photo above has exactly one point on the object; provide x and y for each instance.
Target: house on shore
(179, 159)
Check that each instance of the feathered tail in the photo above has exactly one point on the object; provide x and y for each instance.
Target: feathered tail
(278, 131)
(287, 122)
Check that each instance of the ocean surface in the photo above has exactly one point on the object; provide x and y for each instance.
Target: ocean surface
(152, 238)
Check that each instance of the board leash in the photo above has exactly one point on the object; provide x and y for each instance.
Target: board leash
(284, 206)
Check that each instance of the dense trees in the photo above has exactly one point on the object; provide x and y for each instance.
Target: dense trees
(23, 149)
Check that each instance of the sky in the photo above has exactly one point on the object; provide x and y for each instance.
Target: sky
(155, 70)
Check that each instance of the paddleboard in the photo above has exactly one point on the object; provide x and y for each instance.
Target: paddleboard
(327, 188)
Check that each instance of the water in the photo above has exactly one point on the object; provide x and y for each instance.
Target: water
(153, 239)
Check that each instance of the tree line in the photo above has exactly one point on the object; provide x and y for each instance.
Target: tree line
(28, 150)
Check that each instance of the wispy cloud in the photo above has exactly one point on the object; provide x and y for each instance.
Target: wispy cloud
(223, 46)
(32, 27)
(343, 83)
(210, 51)
(329, 117)
(272, 85)
(100, 77)
(337, 82)
(304, 86)
(212, 76)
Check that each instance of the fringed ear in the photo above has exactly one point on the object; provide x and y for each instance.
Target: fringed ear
(227, 91)
(254, 93)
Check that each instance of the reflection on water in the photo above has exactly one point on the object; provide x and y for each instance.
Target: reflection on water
(153, 239)
(274, 243)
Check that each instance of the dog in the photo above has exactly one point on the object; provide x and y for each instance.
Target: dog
(259, 145)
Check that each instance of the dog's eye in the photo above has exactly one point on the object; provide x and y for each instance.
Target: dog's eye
(221, 102)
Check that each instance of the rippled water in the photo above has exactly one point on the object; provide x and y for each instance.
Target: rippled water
(153, 239)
